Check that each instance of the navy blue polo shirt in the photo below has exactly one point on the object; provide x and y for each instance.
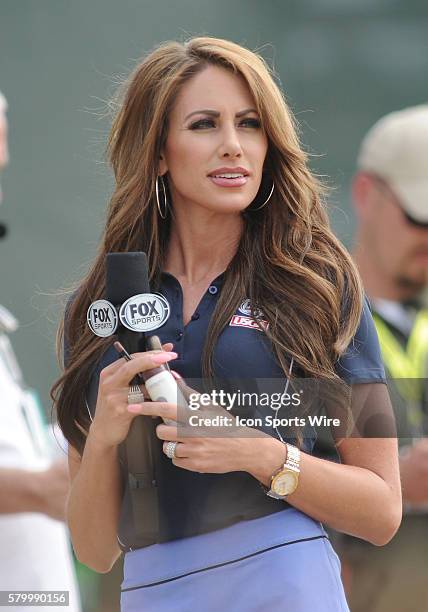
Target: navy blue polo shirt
(242, 350)
(190, 502)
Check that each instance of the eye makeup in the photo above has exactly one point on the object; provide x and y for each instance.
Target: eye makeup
(253, 123)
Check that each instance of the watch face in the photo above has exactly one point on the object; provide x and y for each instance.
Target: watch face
(285, 483)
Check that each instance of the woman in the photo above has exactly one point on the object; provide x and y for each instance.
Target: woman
(211, 182)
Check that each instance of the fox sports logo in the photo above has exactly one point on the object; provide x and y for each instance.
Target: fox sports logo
(144, 312)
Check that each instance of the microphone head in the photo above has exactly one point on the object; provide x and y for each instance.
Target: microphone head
(127, 274)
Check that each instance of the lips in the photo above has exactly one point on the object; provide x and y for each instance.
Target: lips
(229, 170)
(229, 177)
(229, 182)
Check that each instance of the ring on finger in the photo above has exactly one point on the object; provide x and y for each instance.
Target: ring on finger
(170, 449)
(135, 395)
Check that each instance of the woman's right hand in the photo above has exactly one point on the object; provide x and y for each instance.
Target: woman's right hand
(112, 419)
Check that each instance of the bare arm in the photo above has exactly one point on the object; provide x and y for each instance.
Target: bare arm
(30, 491)
(19, 491)
(94, 504)
(95, 498)
(361, 496)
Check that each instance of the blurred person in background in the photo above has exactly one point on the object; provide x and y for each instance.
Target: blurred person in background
(34, 548)
(4, 149)
(390, 195)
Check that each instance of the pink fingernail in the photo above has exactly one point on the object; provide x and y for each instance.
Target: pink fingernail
(164, 357)
(134, 408)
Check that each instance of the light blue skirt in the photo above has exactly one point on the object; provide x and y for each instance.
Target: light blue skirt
(283, 561)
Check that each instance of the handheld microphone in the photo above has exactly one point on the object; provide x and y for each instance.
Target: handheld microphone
(127, 286)
(127, 276)
(133, 311)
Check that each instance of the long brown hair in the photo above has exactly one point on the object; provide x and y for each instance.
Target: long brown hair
(288, 259)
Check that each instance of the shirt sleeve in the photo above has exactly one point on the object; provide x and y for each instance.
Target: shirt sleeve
(362, 360)
(362, 406)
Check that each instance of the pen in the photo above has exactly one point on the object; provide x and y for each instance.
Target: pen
(124, 353)
(155, 344)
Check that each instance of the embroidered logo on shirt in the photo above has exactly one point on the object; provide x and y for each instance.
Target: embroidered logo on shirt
(240, 321)
(245, 308)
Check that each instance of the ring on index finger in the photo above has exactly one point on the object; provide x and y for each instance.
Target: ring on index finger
(135, 395)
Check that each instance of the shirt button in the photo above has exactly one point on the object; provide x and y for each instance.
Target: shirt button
(195, 316)
(213, 289)
(179, 335)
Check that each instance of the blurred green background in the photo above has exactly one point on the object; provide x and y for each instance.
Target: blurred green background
(342, 65)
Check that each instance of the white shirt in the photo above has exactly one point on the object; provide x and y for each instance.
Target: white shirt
(395, 314)
(35, 550)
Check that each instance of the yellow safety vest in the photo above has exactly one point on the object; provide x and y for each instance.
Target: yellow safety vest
(407, 365)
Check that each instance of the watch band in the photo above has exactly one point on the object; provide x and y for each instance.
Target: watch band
(292, 463)
(293, 458)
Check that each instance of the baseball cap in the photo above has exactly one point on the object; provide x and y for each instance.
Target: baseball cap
(396, 150)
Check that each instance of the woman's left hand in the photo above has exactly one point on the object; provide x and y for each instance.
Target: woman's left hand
(204, 447)
(212, 449)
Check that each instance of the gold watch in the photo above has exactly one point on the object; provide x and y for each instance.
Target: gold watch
(285, 480)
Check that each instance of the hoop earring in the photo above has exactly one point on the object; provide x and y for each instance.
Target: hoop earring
(267, 200)
(163, 216)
